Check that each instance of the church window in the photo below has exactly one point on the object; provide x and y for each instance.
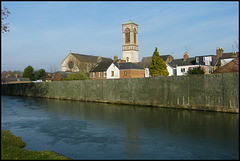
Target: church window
(127, 59)
(127, 35)
(112, 73)
(94, 75)
(135, 36)
(70, 64)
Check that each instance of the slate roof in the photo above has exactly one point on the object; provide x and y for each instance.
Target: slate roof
(146, 61)
(88, 58)
(181, 62)
(229, 55)
(128, 65)
(14, 79)
(102, 66)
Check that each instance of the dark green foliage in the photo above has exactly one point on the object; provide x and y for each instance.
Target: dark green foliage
(40, 75)
(157, 66)
(28, 73)
(197, 70)
(77, 76)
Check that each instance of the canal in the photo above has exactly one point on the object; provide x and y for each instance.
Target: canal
(83, 130)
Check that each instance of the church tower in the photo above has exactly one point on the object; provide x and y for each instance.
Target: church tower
(130, 41)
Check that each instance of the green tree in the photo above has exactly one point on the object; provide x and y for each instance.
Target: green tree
(28, 73)
(197, 70)
(40, 74)
(77, 76)
(157, 66)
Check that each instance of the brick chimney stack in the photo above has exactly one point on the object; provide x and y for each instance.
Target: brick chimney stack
(185, 56)
(219, 52)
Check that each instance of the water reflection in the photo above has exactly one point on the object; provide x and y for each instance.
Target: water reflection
(83, 130)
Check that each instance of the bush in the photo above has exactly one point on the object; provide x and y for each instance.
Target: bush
(77, 76)
(197, 70)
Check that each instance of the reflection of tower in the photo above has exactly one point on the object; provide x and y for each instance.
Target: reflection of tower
(130, 41)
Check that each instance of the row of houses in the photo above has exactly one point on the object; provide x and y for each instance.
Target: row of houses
(112, 69)
(106, 68)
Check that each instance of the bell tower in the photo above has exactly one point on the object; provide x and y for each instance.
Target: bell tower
(130, 41)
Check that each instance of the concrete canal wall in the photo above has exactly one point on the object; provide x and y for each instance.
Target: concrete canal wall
(216, 92)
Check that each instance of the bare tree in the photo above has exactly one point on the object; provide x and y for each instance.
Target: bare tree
(4, 14)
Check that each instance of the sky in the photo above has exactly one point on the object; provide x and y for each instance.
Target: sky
(42, 33)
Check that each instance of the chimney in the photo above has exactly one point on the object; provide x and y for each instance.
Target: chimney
(234, 53)
(115, 58)
(185, 56)
(219, 52)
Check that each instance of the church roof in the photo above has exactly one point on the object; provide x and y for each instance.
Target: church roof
(128, 22)
(88, 58)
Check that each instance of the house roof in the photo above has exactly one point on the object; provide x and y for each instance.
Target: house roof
(229, 55)
(146, 61)
(181, 62)
(102, 66)
(231, 67)
(14, 79)
(128, 65)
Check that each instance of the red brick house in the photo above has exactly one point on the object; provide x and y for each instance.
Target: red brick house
(231, 67)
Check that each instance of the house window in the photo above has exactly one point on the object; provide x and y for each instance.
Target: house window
(94, 74)
(182, 70)
(112, 73)
(197, 60)
(99, 74)
(125, 73)
(104, 74)
(210, 70)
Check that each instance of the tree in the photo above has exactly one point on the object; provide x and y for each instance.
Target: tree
(77, 76)
(4, 15)
(28, 73)
(40, 74)
(157, 66)
(197, 70)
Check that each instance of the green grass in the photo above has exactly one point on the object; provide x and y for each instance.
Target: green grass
(12, 148)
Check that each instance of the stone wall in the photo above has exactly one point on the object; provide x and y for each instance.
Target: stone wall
(216, 92)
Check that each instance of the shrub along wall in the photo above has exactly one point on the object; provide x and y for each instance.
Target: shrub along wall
(215, 92)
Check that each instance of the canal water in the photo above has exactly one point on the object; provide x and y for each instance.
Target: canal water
(81, 130)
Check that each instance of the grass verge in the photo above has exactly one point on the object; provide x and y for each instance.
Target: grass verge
(12, 148)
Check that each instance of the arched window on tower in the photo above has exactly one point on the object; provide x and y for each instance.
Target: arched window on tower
(127, 59)
(135, 36)
(127, 35)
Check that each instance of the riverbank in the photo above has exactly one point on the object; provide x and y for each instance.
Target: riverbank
(12, 148)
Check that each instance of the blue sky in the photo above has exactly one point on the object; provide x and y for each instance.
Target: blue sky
(42, 33)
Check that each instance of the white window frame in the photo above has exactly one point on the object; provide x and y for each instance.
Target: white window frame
(94, 74)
